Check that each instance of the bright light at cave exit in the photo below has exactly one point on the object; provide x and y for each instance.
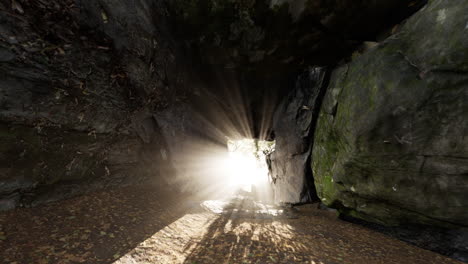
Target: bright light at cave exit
(246, 163)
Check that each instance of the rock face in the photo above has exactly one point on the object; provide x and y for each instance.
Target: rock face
(79, 82)
(294, 123)
(265, 43)
(391, 142)
(284, 33)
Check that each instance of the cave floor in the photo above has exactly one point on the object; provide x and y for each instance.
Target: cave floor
(135, 225)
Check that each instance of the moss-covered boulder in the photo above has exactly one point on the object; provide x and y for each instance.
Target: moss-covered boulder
(391, 143)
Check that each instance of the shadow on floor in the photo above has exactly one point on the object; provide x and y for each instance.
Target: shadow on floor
(95, 228)
(246, 242)
(135, 225)
(312, 237)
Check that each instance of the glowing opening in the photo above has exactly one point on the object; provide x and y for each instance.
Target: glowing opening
(246, 164)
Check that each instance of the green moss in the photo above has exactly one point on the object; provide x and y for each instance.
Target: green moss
(324, 157)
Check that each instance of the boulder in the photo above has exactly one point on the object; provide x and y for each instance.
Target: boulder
(391, 143)
(293, 124)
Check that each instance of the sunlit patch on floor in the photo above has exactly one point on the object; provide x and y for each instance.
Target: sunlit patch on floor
(245, 207)
(182, 240)
(173, 243)
(177, 241)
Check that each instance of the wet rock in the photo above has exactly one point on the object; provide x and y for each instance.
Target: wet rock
(390, 145)
(293, 125)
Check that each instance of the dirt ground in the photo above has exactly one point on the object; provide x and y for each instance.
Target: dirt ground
(134, 225)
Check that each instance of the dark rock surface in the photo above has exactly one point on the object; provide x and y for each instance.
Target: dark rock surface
(265, 44)
(293, 127)
(269, 34)
(390, 145)
(74, 79)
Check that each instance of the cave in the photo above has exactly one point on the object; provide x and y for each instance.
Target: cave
(233, 131)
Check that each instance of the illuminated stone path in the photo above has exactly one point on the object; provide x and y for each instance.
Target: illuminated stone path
(130, 226)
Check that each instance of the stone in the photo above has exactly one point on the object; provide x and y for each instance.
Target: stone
(390, 145)
(293, 125)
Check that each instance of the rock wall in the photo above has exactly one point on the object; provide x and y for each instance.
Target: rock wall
(293, 127)
(391, 142)
(265, 44)
(79, 83)
(269, 34)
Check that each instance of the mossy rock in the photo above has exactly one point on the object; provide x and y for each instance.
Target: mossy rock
(390, 144)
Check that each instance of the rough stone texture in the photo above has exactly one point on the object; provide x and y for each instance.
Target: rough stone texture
(265, 43)
(390, 145)
(292, 33)
(139, 33)
(75, 78)
(293, 125)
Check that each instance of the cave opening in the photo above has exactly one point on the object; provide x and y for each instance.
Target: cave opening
(247, 167)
